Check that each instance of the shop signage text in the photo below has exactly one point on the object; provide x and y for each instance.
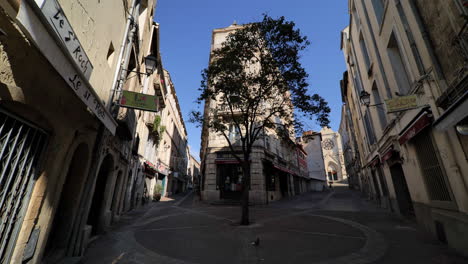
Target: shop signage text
(140, 101)
(401, 103)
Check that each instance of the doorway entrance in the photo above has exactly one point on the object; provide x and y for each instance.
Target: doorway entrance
(401, 190)
(230, 181)
(98, 197)
(65, 215)
(283, 180)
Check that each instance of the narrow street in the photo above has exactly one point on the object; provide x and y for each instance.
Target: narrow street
(329, 227)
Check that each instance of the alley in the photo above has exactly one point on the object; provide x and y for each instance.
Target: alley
(317, 227)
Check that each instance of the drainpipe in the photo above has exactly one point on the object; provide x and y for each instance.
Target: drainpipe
(124, 47)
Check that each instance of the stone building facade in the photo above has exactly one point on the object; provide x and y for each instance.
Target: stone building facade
(173, 149)
(412, 147)
(312, 145)
(66, 147)
(332, 150)
(193, 171)
(275, 169)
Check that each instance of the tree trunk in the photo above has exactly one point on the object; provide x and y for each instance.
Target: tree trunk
(245, 191)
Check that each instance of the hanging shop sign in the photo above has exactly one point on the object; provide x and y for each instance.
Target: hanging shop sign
(401, 103)
(49, 29)
(139, 101)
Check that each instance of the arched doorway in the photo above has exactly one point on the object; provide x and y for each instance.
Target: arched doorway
(59, 237)
(98, 197)
(116, 195)
(332, 172)
(129, 186)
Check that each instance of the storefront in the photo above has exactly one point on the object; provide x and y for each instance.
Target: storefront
(229, 178)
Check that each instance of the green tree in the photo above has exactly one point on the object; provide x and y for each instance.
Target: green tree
(256, 79)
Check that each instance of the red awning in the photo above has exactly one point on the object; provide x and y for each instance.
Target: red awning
(388, 154)
(375, 162)
(151, 165)
(283, 169)
(419, 124)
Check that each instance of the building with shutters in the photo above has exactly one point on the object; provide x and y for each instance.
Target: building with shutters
(405, 91)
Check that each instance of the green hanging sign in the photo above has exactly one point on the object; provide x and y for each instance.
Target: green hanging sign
(139, 101)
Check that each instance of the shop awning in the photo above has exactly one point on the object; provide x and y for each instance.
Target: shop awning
(283, 169)
(416, 126)
(150, 168)
(375, 162)
(388, 154)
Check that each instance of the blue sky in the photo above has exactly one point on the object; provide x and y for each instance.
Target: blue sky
(186, 27)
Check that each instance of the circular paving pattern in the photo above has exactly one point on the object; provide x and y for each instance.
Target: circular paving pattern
(199, 237)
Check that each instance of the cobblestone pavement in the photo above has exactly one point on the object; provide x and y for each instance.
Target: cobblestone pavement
(321, 227)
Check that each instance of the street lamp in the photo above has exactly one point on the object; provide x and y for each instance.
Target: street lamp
(150, 64)
(364, 97)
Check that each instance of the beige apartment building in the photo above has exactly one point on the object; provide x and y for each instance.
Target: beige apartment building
(275, 169)
(173, 148)
(193, 172)
(405, 92)
(65, 145)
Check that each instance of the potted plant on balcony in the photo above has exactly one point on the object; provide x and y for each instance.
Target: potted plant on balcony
(157, 130)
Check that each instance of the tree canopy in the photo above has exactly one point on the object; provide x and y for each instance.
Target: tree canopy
(256, 79)
(254, 83)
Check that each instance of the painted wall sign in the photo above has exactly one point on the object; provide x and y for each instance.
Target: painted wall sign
(140, 101)
(59, 23)
(401, 103)
(46, 43)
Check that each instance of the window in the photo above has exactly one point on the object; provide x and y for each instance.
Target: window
(380, 108)
(110, 55)
(410, 37)
(398, 66)
(234, 133)
(355, 15)
(378, 9)
(369, 128)
(365, 54)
